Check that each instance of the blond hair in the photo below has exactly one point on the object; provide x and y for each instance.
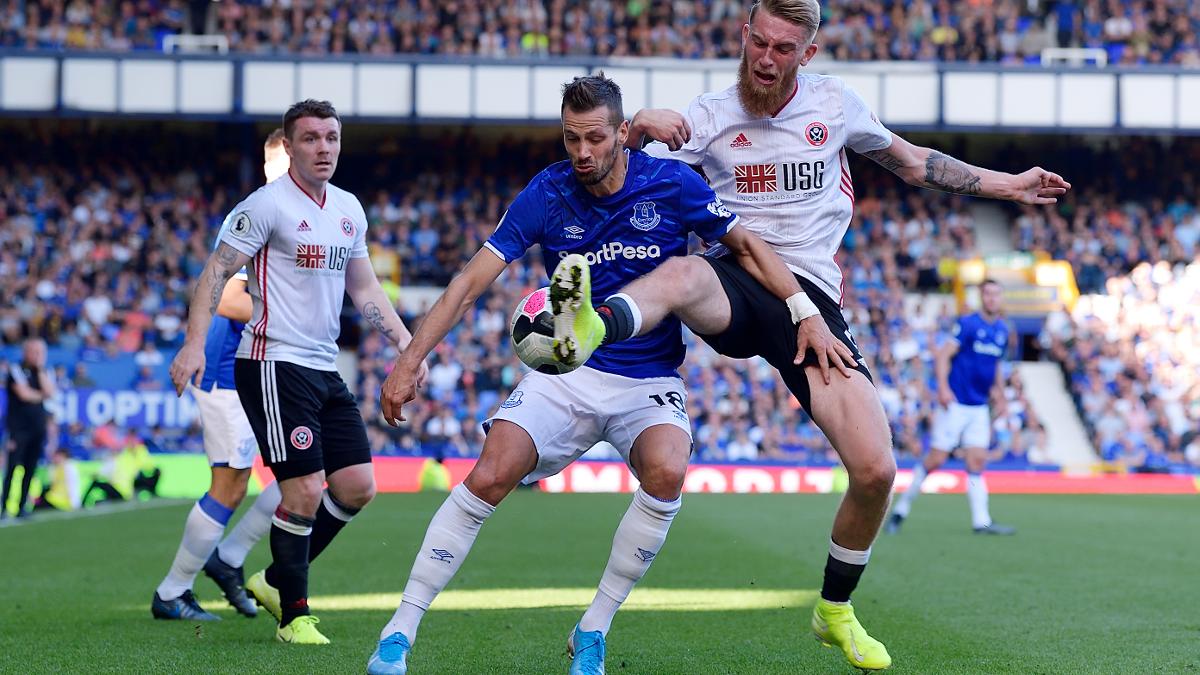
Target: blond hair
(803, 13)
(274, 140)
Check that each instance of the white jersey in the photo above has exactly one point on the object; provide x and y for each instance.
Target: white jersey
(297, 278)
(787, 175)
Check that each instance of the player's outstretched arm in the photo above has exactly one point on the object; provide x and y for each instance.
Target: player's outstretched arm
(236, 304)
(400, 386)
(764, 264)
(189, 362)
(928, 168)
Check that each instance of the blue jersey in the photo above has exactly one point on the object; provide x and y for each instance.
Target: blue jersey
(220, 344)
(981, 345)
(622, 236)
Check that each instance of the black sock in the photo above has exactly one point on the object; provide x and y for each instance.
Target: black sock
(617, 318)
(841, 578)
(332, 516)
(289, 570)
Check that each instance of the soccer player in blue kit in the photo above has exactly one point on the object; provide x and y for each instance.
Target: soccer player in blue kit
(625, 213)
(968, 374)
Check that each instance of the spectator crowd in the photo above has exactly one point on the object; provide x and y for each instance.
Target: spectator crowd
(101, 238)
(1132, 360)
(1003, 31)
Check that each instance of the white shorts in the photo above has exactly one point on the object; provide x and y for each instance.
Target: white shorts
(962, 426)
(565, 415)
(228, 438)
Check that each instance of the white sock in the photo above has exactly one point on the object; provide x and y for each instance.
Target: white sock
(904, 504)
(447, 542)
(977, 496)
(635, 545)
(205, 523)
(254, 525)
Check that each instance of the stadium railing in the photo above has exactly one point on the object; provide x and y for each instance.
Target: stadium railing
(907, 96)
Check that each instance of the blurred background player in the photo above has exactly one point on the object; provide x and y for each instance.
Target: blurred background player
(63, 493)
(738, 136)
(231, 448)
(307, 239)
(968, 374)
(127, 472)
(604, 199)
(29, 385)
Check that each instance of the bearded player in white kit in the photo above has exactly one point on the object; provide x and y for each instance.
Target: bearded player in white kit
(306, 242)
(773, 147)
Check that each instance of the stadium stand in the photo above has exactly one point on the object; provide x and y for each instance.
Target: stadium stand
(97, 256)
(1130, 356)
(1005, 31)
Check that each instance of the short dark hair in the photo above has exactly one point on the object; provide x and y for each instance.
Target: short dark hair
(307, 108)
(274, 139)
(989, 280)
(585, 94)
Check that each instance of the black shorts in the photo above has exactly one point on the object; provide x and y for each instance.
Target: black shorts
(761, 325)
(305, 420)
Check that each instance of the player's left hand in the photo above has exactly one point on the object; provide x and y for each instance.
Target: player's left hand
(187, 366)
(663, 125)
(1038, 186)
(398, 389)
(813, 333)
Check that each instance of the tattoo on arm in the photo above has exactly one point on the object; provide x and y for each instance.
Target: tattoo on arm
(227, 256)
(223, 265)
(885, 159)
(374, 316)
(946, 173)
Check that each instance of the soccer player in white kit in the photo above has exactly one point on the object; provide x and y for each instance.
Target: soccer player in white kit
(230, 446)
(968, 374)
(307, 241)
(773, 147)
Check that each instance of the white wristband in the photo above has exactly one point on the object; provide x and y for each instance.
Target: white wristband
(801, 307)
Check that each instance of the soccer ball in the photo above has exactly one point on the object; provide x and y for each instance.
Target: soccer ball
(532, 331)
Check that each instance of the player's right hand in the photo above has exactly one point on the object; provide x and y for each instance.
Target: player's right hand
(399, 388)
(664, 125)
(188, 366)
(945, 396)
(813, 333)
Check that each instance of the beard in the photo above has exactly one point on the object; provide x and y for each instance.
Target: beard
(762, 101)
(604, 166)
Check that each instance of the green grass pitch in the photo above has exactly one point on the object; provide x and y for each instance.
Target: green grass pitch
(1090, 584)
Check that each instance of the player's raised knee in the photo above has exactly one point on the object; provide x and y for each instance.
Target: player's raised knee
(876, 478)
(682, 273)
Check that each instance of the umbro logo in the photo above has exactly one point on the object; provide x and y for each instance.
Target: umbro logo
(574, 232)
(644, 555)
(741, 142)
(442, 555)
(304, 227)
